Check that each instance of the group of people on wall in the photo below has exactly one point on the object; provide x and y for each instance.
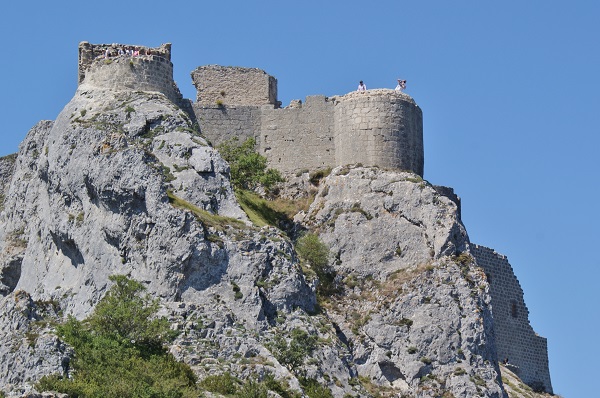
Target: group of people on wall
(126, 51)
(400, 87)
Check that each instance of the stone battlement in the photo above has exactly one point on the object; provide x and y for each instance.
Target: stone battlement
(227, 85)
(375, 128)
(108, 66)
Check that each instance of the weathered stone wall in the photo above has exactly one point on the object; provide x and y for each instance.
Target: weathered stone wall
(224, 85)
(299, 138)
(379, 128)
(219, 124)
(144, 73)
(515, 338)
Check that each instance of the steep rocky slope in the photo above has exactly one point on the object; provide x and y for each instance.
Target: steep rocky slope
(121, 183)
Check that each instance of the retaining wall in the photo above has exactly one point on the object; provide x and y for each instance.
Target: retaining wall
(515, 338)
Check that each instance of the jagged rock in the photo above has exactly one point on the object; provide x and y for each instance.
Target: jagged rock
(122, 183)
(7, 166)
(418, 320)
(89, 199)
(377, 222)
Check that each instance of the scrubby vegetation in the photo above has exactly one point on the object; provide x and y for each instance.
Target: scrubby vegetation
(119, 350)
(315, 254)
(248, 168)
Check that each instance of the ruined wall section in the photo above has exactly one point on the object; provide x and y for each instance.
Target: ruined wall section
(379, 128)
(219, 124)
(223, 85)
(152, 72)
(515, 338)
(299, 137)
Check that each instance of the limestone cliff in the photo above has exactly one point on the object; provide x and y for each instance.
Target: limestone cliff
(122, 183)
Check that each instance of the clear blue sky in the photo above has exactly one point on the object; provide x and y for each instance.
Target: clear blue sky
(509, 91)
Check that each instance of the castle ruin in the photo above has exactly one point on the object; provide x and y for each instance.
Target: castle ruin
(375, 128)
(378, 127)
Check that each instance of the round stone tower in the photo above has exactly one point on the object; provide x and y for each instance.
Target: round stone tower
(379, 128)
(126, 67)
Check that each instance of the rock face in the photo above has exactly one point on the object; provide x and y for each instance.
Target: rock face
(416, 316)
(7, 166)
(90, 197)
(122, 183)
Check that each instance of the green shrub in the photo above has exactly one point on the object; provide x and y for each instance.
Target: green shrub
(248, 168)
(252, 389)
(119, 350)
(316, 176)
(405, 322)
(313, 389)
(223, 384)
(316, 253)
(277, 386)
(293, 354)
(425, 360)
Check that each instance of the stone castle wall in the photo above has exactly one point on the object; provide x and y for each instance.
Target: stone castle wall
(515, 338)
(217, 84)
(376, 128)
(152, 71)
(220, 124)
(379, 128)
(299, 138)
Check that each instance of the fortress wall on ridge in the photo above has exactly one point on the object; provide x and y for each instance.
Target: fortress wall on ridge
(300, 137)
(148, 72)
(515, 338)
(379, 127)
(220, 124)
(226, 85)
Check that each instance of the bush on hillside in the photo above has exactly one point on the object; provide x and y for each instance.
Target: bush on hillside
(248, 168)
(119, 350)
(316, 254)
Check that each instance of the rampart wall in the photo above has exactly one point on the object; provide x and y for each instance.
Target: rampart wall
(152, 70)
(299, 138)
(376, 128)
(220, 124)
(379, 128)
(226, 85)
(515, 338)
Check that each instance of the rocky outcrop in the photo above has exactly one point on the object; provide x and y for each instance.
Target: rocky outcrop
(415, 307)
(7, 166)
(121, 183)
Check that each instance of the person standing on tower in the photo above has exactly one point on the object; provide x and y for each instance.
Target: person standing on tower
(401, 85)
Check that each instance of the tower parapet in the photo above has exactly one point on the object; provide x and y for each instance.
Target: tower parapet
(379, 128)
(126, 67)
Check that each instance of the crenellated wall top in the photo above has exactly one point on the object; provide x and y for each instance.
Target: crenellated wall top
(90, 53)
